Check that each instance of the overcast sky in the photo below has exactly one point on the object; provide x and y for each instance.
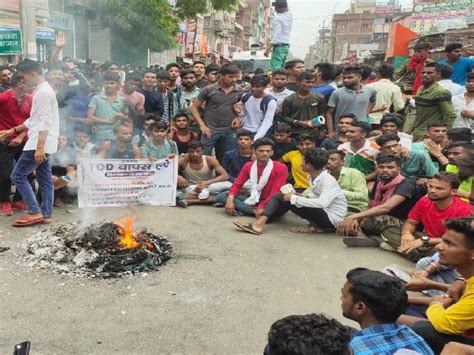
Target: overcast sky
(308, 17)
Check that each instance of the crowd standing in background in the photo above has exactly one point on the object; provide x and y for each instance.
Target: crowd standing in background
(387, 164)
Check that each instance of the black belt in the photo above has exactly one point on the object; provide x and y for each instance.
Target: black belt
(281, 45)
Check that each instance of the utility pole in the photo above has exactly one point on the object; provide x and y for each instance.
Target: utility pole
(27, 23)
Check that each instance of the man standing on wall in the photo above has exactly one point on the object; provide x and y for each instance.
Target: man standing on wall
(281, 30)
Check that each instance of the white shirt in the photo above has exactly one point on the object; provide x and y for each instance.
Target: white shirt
(324, 193)
(452, 87)
(406, 140)
(281, 28)
(460, 104)
(253, 118)
(387, 94)
(44, 116)
(279, 96)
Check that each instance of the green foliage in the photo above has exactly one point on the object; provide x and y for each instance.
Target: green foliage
(140, 24)
(191, 8)
(137, 25)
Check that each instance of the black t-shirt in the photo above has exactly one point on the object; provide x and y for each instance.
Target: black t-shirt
(282, 148)
(292, 87)
(411, 191)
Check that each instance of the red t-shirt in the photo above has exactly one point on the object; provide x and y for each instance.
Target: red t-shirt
(275, 181)
(432, 218)
(12, 115)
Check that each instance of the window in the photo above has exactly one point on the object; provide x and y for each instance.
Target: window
(366, 11)
(365, 26)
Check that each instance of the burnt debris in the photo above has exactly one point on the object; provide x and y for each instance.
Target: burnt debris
(95, 251)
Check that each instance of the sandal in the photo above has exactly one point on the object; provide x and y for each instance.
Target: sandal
(246, 228)
(27, 220)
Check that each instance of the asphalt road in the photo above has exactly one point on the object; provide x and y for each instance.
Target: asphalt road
(219, 294)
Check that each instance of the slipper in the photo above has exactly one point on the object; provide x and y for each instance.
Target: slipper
(246, 228)
(27, 220)
(45, 221)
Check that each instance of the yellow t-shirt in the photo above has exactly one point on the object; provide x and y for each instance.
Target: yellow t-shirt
(295, 158)
(466, 185)
(458, 318)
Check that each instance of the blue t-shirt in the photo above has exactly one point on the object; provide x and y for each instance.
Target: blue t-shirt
(326, 90)
(460, 69)
(233, 163)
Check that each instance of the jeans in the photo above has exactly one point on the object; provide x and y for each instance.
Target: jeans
(278, 207)
(437, 340)
(24, 167)
(220, 141)
(444, 275)
(239, 204)
(8, 155)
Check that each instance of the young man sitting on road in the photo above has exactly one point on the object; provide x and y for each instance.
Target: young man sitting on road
(415, 163)
(392, 199)
(201, 176)
(450, 321)
(258, 181)
(283, 141)
(375, 301)
(121, 147)
(360, 152)
(351, 181)
(308, 334)
(295, 159)
(323, 205)
(235, 159)
(431, 211)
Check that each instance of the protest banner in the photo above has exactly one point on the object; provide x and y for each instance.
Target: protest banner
(115, 182)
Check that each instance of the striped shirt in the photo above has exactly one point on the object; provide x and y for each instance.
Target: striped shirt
(432, 104)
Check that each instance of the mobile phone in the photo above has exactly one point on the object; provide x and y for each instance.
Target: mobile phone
(22, 348)
(398, 271)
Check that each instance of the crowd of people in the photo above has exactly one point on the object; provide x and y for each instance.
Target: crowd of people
(383, 157)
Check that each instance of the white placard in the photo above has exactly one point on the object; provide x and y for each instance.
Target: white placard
(116, 182)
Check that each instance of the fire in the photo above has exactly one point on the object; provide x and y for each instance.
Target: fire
(127, 238)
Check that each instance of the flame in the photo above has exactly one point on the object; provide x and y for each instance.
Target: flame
(127, 238)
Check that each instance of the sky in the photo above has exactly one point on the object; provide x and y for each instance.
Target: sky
(308, 17)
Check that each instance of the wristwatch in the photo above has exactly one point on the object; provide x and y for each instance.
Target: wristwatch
(426, 240)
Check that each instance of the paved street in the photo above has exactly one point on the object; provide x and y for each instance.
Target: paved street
(219, 294)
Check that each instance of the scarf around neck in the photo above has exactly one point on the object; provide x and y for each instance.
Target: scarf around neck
(417, 64)
(258, 185)
(384, 191)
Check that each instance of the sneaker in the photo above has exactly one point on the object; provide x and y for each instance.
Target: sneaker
(20, 206)
(387, 247)
(204, 194)
(360, 242)
(6, 209)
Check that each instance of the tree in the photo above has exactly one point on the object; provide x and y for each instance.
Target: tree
(140, 24)
(191, 8)
(151, 24)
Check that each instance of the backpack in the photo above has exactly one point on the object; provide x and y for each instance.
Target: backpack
(263, 104)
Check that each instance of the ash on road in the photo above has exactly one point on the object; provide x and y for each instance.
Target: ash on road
(219, 293)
